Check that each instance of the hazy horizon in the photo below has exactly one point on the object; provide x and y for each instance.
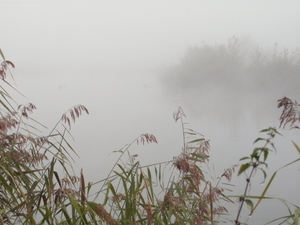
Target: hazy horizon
(138, 34)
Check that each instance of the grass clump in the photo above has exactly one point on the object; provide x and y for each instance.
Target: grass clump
(38, 185)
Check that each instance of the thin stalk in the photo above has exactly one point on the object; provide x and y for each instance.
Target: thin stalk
(254, 166)
(211, 204)
(183, 133)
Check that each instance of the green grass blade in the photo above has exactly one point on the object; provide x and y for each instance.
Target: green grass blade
(296, 146)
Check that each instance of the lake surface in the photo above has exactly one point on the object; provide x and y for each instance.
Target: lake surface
(125, 105)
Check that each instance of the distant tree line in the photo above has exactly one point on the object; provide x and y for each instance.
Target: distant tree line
(240, 64)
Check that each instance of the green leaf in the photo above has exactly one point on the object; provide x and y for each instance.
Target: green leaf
(66, 214)
(266, 130)
(190, 133)
(249, 203)
(296, 146)
(78, 208)
(263, 163)
(75, 204)
(296, 217)
(243, 168)
(3, 210)
(265, 174)
(255, 150)
(197, 156)
(197, 140)
(255, 155)
(259, 139)
(277, 132)
(266, 152)
(1, 53)
(244, 158)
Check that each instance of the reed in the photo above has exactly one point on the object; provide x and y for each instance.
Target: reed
(39, 186)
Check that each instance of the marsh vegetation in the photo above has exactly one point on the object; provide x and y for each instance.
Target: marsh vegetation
(39, 186)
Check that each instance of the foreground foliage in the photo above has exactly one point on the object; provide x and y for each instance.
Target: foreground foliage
(38, 185)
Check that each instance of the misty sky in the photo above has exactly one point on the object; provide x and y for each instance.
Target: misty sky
(135, 34)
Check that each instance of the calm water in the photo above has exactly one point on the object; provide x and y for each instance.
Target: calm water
(124, 105)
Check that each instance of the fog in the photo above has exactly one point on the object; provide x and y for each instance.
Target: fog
(136, 34)
(111, 56)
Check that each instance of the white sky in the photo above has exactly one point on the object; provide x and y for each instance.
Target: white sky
(135, 33)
